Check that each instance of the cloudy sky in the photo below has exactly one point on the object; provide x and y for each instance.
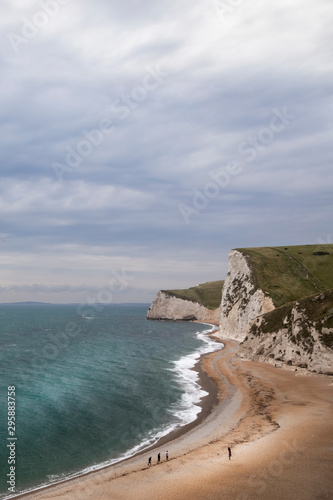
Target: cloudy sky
(143, 140)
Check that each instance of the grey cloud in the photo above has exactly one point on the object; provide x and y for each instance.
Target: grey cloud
(222, 83)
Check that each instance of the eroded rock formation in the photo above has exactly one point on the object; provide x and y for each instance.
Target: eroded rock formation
(242, 301)
(166, 306)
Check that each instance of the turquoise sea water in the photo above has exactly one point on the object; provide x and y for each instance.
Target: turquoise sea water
(92, 387)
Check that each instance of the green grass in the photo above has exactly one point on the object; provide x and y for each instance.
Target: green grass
(290, 273)
(319, 312)
(208, 294)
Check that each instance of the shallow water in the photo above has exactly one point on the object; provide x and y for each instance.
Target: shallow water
(92, 387)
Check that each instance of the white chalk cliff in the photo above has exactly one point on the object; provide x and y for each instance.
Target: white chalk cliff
(293, 338)
(166, 306)
(286, 336)
(297, 334)
(242, 302)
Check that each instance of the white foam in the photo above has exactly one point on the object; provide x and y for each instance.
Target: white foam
(188, 408)
(185, 411)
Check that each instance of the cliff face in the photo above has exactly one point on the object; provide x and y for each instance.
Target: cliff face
(299, 334)
(166, 306)
(242, 300)
(276, 301)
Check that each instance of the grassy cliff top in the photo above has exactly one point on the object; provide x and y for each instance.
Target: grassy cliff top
(291, 273)
(208, 294)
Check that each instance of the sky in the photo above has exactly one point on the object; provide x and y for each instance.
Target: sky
(141, 141)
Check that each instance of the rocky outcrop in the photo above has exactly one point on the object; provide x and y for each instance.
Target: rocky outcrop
(242, 300)
(166, 306)
(270, 304)
(299, 334)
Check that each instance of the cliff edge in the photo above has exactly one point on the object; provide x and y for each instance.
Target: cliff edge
(200, 303)
(242, 299)
(278, 302)
(299, 334)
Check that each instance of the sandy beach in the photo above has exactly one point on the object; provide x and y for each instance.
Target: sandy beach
(277, 422)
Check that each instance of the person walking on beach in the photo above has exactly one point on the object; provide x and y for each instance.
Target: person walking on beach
(149, 461)
(158, 458)
(167, 455)
(229, 452)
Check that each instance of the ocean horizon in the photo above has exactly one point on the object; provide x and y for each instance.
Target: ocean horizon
(94, 384)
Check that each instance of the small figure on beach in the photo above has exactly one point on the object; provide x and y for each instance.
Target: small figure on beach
(158, 458)
(167, 455)
(149, 461)
(229, 452)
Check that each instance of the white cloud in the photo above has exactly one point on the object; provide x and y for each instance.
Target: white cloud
(45, 195)
(222, 77)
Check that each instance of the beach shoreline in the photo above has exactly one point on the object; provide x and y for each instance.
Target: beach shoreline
(251, 409)
(207, 404)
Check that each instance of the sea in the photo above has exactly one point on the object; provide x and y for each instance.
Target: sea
(83, 387)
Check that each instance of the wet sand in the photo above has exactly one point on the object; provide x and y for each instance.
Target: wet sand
(278, 424)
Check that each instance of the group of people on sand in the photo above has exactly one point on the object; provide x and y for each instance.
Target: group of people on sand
(167, 457)
(159, 458)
